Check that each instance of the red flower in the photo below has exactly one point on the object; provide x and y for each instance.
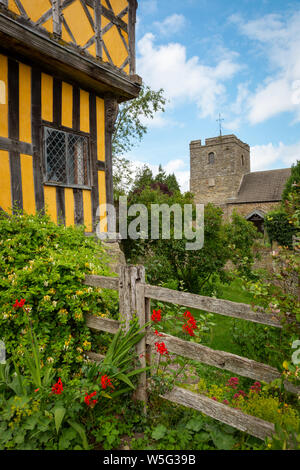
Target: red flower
(156, 316)
(187, 314)
(233, 382)
(20, 304)
(190, 324)
(189, 329)
(105, 382)
(214, 398)
(240, 393)
(256, 387)
(37, 389)
(161, 348)
(88, 399)
(157, 333)
(57, 388)
(226, 402)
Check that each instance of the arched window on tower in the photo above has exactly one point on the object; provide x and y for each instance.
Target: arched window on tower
(211, 158)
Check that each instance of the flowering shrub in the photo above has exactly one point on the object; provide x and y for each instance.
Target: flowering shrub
(60, 414)
(46, 265)
(255, 401)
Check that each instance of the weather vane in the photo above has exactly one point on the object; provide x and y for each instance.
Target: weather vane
(220, 124)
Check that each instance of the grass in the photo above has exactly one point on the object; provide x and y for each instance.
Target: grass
(221, 337)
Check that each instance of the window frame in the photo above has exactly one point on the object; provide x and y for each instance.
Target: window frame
(211, 154)
(66, 130)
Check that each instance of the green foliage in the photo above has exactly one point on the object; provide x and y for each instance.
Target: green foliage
(179, 428)
(145, 179)
(241, 234)
(129, 126)
(294, 178)
(61, 417)
(285, 438)
(129, 130)
(168, 260)
(46, 264)
(279, 228)
(263, 403)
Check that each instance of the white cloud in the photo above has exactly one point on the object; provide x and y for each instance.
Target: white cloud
(160, 120)
(264, 157)
(183, 79)
(171, 25)
(278, 40)
(148, 7)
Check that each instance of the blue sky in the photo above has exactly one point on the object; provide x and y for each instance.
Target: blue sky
(240, 58)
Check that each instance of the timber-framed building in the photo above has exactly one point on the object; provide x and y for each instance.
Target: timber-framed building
(64, 67)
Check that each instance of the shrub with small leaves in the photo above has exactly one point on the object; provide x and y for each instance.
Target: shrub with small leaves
(46, 264)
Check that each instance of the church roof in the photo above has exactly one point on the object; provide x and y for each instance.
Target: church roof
(262, 186)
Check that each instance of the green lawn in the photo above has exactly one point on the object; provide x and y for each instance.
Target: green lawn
(221, 337)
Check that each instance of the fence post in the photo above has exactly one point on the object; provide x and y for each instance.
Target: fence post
(132, 302)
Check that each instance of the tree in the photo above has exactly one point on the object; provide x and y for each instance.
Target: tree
(292, 182)
(130, 127)
(144, 178)
(168, 260)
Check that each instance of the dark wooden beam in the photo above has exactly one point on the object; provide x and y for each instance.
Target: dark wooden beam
(94, 158)
(111, 113)
(60, 205)
(16, 180)
(36, 120)
(57, 20)
(68, 63)
(76, 108)
(131, 35)
(57, 101)
(78, 206)
(98, 28)
(13, 133)
(109, 15)
(12, 145)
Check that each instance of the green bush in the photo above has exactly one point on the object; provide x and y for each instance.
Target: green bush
(45, 264)
(279, 228)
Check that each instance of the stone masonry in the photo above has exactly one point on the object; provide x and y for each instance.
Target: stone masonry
(217, 168)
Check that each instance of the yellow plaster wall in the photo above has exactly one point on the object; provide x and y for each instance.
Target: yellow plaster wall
(25, 103)
(27, 184)
(50, 202)
(67, 105)
(84, 111)
(78, 23)
(47, 97)
(69, 207)
(3, 96)
(87, 210)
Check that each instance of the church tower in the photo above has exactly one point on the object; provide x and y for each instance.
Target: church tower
(217, 168)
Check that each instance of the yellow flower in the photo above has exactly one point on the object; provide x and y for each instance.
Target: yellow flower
(47, 298)
(285, 365)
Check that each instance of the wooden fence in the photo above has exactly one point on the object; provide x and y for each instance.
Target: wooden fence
(135, 299)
